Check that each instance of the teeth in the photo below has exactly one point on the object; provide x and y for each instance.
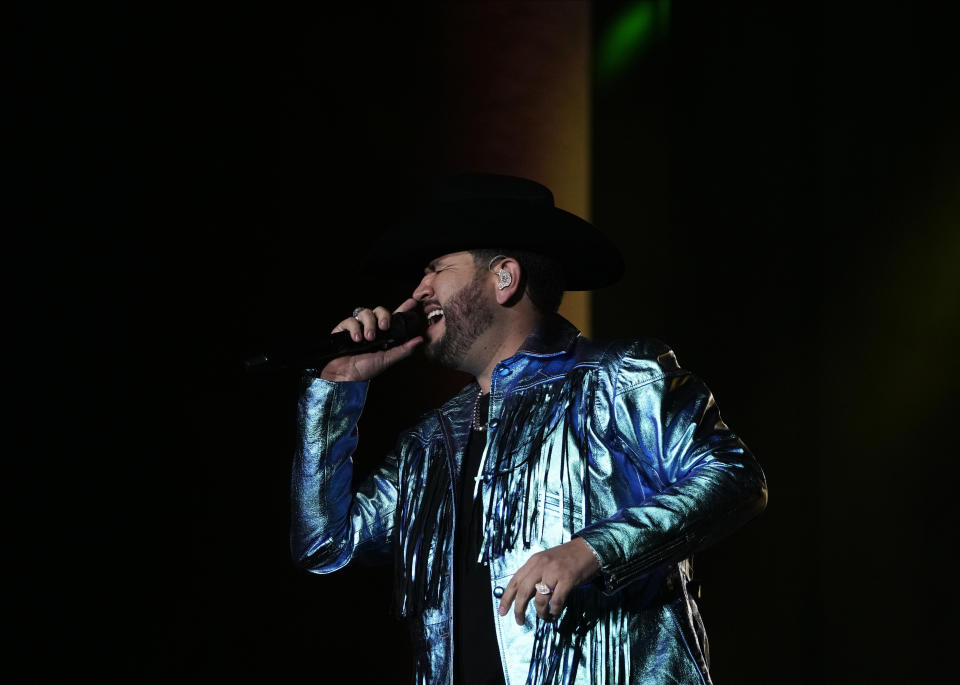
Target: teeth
(434, 316)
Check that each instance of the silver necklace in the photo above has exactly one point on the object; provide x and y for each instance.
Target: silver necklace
(477, 426)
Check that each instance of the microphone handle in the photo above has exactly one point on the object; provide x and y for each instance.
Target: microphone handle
(405, 326)
(339, 345)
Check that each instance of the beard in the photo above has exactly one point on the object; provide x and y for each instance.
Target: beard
(465, 318)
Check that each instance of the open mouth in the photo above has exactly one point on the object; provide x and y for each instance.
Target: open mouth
(434, 316)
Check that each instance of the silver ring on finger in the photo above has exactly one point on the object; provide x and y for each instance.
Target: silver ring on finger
(357, 311)
(543, 589)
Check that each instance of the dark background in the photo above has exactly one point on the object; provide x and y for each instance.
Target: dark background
(193, 184)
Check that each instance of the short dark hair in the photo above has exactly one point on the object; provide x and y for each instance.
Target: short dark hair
(542, 277)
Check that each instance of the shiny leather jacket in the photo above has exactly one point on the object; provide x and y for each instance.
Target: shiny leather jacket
(615, 443)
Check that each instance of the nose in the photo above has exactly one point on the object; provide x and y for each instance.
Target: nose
(425, 289)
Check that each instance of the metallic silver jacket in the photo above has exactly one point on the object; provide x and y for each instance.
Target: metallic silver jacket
(615, 443)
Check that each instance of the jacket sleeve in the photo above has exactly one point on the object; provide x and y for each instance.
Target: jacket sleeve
(330, 524)
(667, 425)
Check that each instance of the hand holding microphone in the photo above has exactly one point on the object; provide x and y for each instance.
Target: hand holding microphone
(400, 333)
(359, 348)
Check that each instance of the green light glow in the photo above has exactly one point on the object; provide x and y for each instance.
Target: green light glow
(639, 24)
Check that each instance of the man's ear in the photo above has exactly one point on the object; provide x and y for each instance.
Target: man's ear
(508, 275)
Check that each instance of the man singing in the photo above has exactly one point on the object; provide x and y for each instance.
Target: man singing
(579, 475)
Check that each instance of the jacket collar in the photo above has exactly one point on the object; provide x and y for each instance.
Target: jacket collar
(554, 336)
(547, 351)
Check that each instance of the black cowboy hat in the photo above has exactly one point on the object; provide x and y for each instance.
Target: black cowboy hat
(473, 210)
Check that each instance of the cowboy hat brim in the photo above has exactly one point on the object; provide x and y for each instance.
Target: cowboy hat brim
(588, 259)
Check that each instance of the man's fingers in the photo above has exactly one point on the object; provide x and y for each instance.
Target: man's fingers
(520, 590)
(541, 603)
(512, 591)
(407, 305)
(365, 325)
(524, 594)
(544, 602)
(382, 315)
(558, 599)
(395, 354)
(368, 320)
(507, 598)
(352, 326)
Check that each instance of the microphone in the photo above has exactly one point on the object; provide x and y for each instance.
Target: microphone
(403, 327)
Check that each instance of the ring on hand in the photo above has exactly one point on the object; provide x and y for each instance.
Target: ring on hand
(357, 311)
(543, 589)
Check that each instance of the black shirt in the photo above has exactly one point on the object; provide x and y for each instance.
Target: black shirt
(475, 651)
